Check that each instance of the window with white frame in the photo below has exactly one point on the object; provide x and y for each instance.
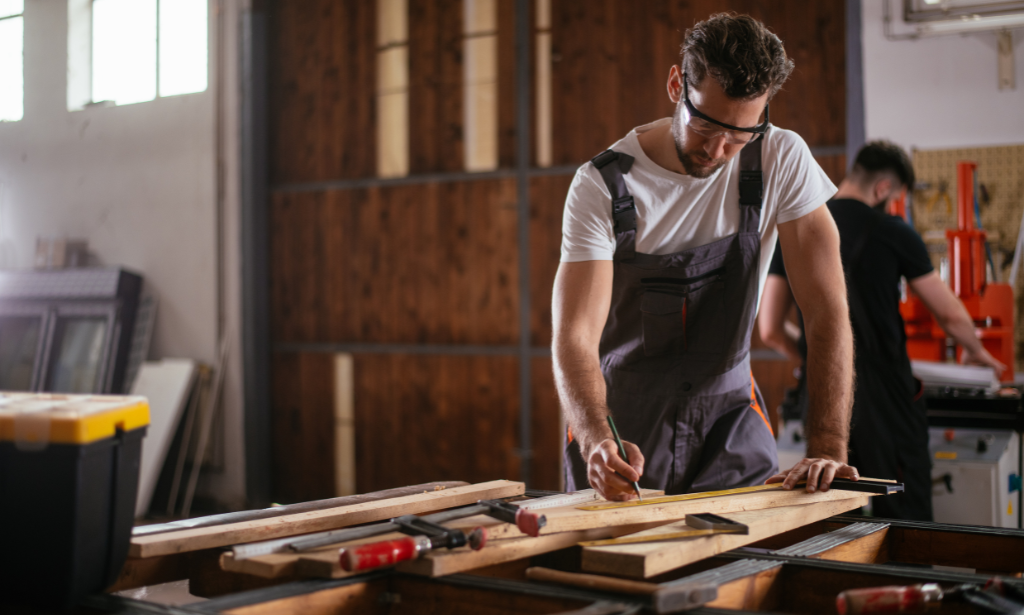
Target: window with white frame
(130, 51)
(12, 60)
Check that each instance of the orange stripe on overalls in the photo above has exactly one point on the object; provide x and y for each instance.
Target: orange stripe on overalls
(757, 406)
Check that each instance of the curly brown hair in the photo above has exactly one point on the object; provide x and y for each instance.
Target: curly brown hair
(739, 52)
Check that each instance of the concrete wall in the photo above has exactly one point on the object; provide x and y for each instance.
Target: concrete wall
(152, 187)
(938, 93)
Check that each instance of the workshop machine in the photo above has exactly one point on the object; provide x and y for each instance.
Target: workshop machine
(990, 304)
(975, 433)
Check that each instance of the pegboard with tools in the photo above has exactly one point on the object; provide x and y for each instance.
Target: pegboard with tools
(1000, 178)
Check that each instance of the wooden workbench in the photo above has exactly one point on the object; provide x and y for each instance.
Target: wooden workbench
(800, 570)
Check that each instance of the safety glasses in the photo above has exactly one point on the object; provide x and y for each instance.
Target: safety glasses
(711, 128)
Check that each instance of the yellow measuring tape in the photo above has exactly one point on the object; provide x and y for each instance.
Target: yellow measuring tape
(684, 497)
(666, 499)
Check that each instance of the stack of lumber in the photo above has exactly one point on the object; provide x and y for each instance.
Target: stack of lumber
(766, 512)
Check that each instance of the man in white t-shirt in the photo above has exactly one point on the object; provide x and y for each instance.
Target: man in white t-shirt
(667, 238)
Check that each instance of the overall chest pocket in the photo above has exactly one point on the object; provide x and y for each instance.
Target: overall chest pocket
(683, 316)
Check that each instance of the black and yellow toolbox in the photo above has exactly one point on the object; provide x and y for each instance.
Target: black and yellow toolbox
(69, 473)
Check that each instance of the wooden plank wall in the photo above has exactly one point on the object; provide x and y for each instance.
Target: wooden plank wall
(392, 271)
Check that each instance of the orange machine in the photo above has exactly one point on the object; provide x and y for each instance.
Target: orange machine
(989, 304)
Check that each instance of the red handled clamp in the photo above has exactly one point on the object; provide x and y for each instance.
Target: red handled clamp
(424, 536)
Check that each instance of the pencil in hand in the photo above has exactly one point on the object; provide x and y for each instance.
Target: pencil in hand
(622, 453)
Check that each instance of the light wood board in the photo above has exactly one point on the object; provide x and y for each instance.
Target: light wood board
(441, 563)
(643, 560)
(318, 520)
(570, 518)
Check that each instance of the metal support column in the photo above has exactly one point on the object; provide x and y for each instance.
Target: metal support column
(523, 99)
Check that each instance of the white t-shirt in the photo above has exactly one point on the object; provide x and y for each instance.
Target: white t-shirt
(677, 212)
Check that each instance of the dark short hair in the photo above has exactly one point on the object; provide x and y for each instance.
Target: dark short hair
(739, 52)
(883, 156)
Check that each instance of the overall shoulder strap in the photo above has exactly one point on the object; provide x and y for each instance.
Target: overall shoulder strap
(612, 165)
(751, 186)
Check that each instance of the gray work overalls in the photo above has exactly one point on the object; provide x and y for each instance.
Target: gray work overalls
(675, 351)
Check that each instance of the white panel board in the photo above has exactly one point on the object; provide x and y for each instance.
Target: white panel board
(166, 384)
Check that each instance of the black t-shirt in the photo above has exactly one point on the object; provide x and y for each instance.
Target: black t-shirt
(891, 249)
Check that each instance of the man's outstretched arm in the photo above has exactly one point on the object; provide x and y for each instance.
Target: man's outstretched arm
(580, 303)
(810, 247)
(952, 316)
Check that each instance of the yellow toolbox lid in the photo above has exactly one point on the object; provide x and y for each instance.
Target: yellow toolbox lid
(33, 420)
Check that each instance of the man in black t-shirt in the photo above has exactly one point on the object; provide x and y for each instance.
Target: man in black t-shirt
(889, 431)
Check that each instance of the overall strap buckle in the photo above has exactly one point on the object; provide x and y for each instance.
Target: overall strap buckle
(624, 214)
(751, 188)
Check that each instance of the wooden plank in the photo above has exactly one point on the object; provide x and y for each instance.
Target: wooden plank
(320, 520)
(441, 563)
(355, 598)
(152, 571)
(645, 560)
(870, 549)
(756, 592)
(591, 581)
(570, 518)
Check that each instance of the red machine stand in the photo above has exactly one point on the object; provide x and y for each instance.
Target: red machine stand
(990, 305)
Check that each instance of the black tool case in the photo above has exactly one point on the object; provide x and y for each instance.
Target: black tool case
(69, 472)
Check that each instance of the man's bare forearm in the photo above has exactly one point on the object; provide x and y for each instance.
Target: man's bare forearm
(582, 392)
(830, 376)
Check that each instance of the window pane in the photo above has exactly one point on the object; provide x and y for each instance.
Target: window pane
(19, 344)
(78, 351)
(183, 48)
(12, 83)
(124, 50)
(11, 7)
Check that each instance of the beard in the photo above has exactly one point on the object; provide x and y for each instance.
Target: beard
(693, 161)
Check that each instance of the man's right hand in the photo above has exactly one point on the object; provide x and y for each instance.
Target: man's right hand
(609, 474)
(982, 357)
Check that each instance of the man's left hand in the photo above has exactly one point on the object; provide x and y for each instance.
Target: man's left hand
(817, 472)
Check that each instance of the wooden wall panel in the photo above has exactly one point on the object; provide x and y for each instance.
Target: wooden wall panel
(613, 60)
(507, 84)
(834, 167)
(435, 88)
(322, 85)
(421, 418)
(302, 413)
(547, 201)
(433, 263)
(547, 432)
